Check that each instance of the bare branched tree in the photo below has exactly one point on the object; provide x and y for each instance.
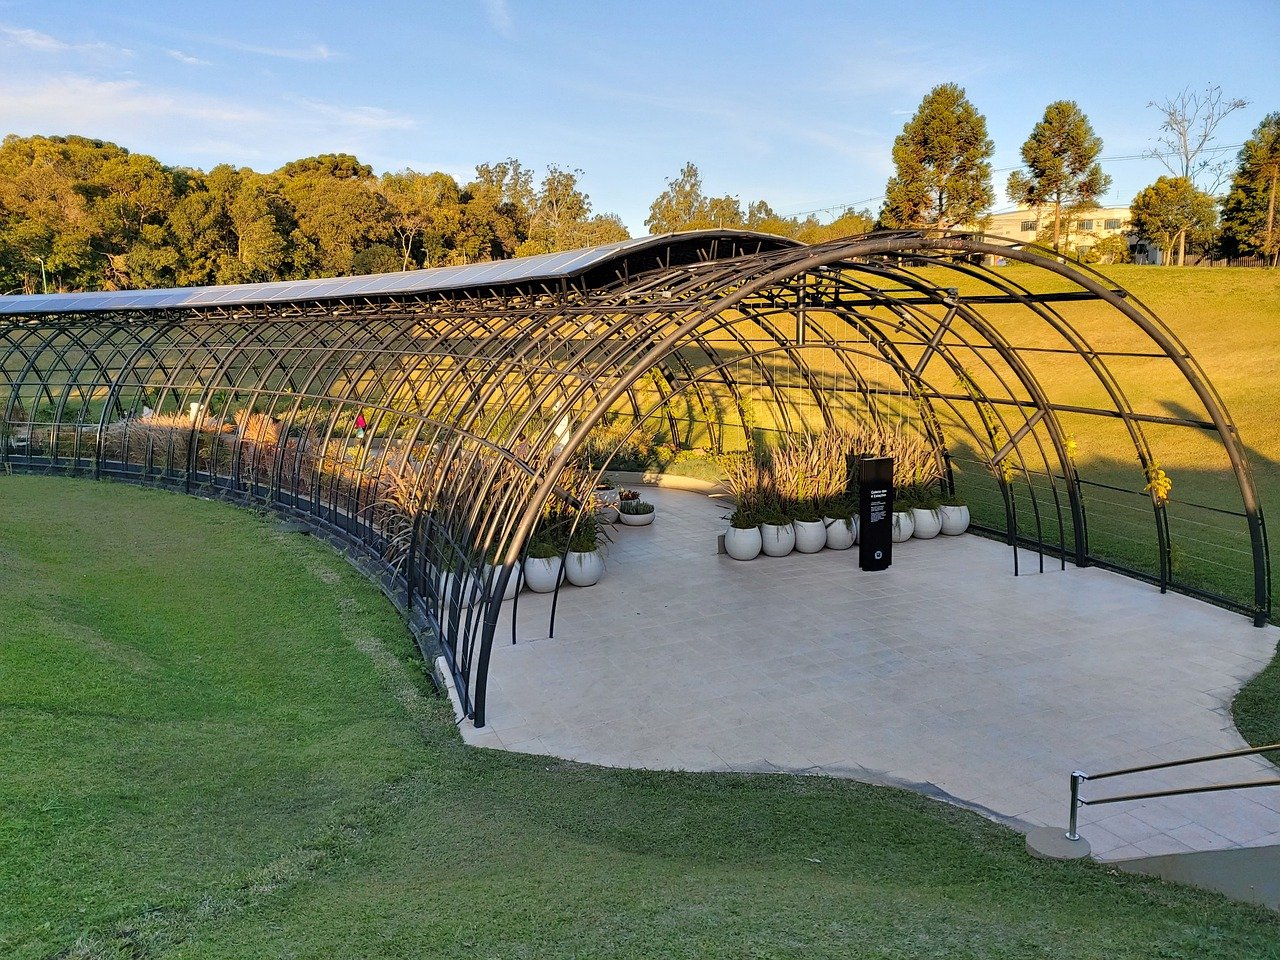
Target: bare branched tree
(1190, 120)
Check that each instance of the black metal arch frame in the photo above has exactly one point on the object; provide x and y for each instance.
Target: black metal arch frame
(477, 398)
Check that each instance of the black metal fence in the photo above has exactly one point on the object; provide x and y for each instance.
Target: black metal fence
(431, 421)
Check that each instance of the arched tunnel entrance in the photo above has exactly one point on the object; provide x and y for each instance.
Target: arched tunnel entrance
(432, 419)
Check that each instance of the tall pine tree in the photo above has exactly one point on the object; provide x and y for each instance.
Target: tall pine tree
(1061, 166)
(1251, 211)
(942, 162)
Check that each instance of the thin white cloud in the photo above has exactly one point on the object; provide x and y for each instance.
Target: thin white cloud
(188, 59)
(315, 52)
(184, 122)
(192, 42)
(78, 102)
(753, 126)
(37, 42)
(359, 118)
(886, 68)
(499, 14)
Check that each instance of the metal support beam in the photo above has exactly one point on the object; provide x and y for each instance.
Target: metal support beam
(1012, 443)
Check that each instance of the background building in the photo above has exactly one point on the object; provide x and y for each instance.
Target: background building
(1081, 232)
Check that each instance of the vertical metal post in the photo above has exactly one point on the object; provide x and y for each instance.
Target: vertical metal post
(1077, 776)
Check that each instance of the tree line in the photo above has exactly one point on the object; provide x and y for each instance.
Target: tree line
(83, 214)
(942, 178)
(79, 214)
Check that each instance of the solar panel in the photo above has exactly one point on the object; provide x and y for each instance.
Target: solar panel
(367, 284)
(545, 266)
(35, 303)
(145, 298)
(486, 273)
(126, 303)
(298, 290)
(88, 301)
(394, 282)
(218, 295)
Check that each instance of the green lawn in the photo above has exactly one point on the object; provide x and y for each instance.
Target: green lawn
(218, 742)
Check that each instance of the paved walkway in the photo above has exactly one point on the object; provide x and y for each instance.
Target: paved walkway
(945, 674)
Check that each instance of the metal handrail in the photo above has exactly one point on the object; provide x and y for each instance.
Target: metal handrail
(1079, 776)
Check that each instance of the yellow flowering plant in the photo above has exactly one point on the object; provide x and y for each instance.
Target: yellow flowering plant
(1158, 484)
(1007, 470)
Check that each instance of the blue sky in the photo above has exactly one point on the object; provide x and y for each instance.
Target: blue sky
(796, 102)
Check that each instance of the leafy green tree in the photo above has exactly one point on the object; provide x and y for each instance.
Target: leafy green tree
(10, 281)
(485, 232)
(602, 228)
(496, 211)
(760, 216)
(683, 206)
(231, 227)
(561, 219)
(558, 208)
(1061, 166)
(337, 211)
(1249, 215)
(425, 211)
(850, 223)
(1111, 249)
(1170, 212)
(133, 195)
(87, 213)
(376, 258)
(942, 163)
(682, 203)
(263, 222)
(47, 190)
(723, 213)
(338, 166)
(201, 227)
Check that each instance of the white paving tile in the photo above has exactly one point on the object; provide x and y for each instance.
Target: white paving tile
(944, 670)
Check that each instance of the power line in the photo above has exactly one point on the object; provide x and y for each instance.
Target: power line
(1148, 155)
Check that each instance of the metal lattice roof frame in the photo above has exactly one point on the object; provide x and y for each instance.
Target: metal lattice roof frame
(481, 384)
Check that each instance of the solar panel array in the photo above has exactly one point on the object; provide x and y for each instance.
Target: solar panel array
(547, 266)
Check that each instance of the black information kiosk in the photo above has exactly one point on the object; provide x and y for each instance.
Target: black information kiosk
(875, 512)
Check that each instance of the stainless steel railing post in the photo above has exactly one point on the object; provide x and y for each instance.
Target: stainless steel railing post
(1077, 777)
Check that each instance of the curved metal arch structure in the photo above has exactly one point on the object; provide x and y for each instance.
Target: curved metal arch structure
(430, 419)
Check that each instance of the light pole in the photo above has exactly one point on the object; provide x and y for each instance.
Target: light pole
(44, 283)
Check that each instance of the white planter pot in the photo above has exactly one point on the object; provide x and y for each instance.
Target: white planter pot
(928, 523)
(842, 532)
(903, 526)
(463, 589)
(491, 574)
(584, 569)
(637, 519)
(955, 520)
(609, 496)
(777, 540)
(608, 513)
(811, 535)
(742, 543)
(543, 574)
